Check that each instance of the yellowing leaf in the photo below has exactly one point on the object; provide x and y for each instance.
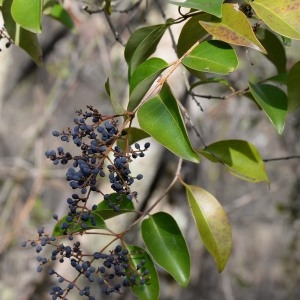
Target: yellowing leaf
(212, 224)
(281, 16)
(233, 28)
(240, 157)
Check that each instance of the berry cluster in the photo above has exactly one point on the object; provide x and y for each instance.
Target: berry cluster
(105, 153)
(97, 137)
(4, 36)
(110, 271)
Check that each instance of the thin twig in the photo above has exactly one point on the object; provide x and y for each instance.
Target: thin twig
(166, 191)
(114, 30)
(281, 158)
(174, 44)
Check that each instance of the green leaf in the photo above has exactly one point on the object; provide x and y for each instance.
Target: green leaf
(187, 40)
(23, 38)
(117, 107)
(220, 80)
(209, 6)
(293, 86)
(149, 290)
(273, 45)
(212, 223)
(279, 78)
(234, 28)
(273, 101)
(28, 14)
(141, 44)
(76, 227)
(212, 57)
(58, 13)
(133, 135)
(167, 246)
(281, 16)
(240, 157)
(161, 118)
(142, 79)
(106, 211)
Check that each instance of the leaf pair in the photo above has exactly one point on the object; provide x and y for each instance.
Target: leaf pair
(23, 21)
(167, 245)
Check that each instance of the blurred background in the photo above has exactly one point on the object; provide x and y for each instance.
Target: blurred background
(265, 260)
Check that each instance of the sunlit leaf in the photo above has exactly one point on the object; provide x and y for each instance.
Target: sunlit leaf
(274, 47)
(105, 210)
(234, 28)
(117, 107)
(28, 14)
(212, 7)
(281, 16)
(240, 157)
(293, 85)
(212, 223)
(141, 44)
(75, 227)
(23, 38)
(273, 101)
(212, 57)
(133, 135)
(142, 79)
(161, 118)
(167, 246)
(150, 289)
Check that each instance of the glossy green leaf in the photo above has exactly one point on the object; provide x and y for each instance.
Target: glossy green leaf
(280, 78)
(274, 47)
(212, 223)
(149, 290)
(281, 16)
(76, 227)
(28, 14)
(293, 86)
(161, 118)
(142, 79)
(220, 80)
(141, 44)
(57, 12)
(106, 211)
(167, 246)
(273, 101)
(234, 28)
(240, 157)
(23, 38)
(212, 7)
(117, 107)
(187, 40)
(212, 57)
(133, 135)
